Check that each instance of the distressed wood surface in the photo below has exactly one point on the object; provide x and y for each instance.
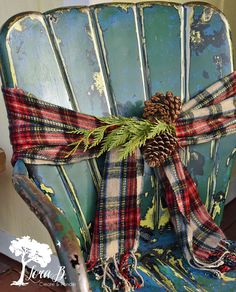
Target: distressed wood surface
(107, 59)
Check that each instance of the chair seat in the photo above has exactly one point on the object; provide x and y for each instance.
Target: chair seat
(163, 268)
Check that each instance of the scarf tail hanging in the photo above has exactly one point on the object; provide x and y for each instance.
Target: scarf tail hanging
(121, 186)
(193, 219)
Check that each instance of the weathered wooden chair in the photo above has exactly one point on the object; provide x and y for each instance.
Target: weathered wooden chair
(107, 59)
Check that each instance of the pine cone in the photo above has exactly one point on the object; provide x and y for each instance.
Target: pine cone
(158, 149)
(162, 107)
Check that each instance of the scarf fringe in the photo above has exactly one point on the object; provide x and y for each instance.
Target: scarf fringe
(226, 260)
(118, 272)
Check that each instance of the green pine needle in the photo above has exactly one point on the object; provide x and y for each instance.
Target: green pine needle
(128, 135)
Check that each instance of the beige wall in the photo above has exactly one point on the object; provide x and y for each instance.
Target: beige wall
(15, 216)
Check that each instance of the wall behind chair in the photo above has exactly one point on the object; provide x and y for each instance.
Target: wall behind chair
(15, 217)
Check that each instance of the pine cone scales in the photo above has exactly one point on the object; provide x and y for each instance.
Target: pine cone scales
(162, 107)
(158, 149)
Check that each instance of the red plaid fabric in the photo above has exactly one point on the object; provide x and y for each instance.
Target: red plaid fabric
(41, 132)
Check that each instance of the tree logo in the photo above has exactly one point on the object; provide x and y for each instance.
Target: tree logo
(30, 251)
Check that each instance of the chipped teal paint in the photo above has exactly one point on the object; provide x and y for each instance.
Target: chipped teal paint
(28, 45)
(207, 40)
(117, 27)
(162, 41)
(162, 47)
(61, 197)
(131, 46)
(72, 33)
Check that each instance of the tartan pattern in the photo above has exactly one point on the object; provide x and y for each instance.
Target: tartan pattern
(40, 132)
(209, 115)
(202, 241)
(119, 196)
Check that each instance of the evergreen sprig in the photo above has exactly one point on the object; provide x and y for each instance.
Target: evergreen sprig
(126, 133)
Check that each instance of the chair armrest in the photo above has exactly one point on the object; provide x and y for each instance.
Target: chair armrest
(68, 250)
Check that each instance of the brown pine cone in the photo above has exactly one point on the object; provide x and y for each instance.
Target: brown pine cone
(162, 107)
(158, 149)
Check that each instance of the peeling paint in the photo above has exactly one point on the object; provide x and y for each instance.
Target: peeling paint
(188, 289)
(231, 156)
(18, 26)
(212, 188)
(147, 272)
(60, 210)
(196, 38)
(207, 14)
(216, 210)
(99, 85)
(213, 148)
(159, 250)
(123, 6)
(148, 220)
(164, 219)
(83, 10)
(174, 261)
(12, 68)
(227, 279)
(78, 240)
(165, 280)
(53, 18)
(92, 29)
(147, 5)
(58, 40)
(153, 181)
(46, 189)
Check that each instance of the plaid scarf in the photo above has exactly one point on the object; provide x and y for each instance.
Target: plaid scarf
(40, 132)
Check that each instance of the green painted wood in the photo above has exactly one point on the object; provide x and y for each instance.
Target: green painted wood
(27, 41)
(118, 37)
(74, 37)
(208, 58)
(162, 31)
(162, 28)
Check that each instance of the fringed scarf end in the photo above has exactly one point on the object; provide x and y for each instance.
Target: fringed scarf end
(117, 273)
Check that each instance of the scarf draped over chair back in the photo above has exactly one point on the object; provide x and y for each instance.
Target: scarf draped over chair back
(41, 132)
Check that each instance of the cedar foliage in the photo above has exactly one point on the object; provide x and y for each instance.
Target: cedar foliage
(117, 131)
